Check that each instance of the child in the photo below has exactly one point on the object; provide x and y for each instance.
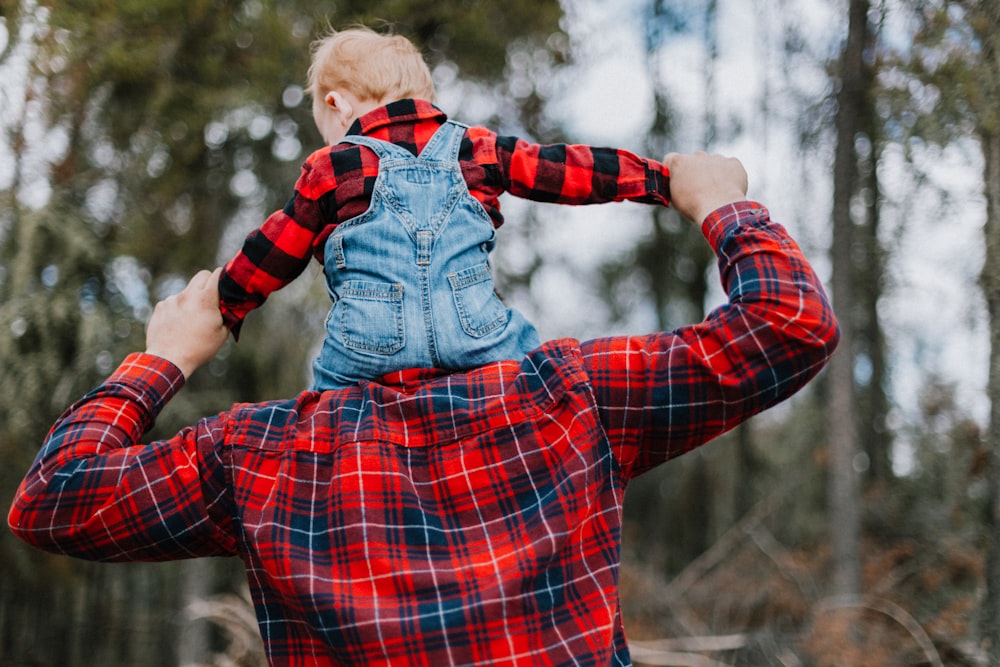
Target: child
(401, 209)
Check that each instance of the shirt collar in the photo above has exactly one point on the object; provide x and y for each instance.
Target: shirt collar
(400, 111)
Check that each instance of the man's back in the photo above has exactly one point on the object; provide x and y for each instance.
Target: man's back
(474, 517)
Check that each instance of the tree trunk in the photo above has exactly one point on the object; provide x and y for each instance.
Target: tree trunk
(986, 18)
(844, 501)
(873, 433)
(991, 290)
(193, 647)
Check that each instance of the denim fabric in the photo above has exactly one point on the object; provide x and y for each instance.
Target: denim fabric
(410, 278)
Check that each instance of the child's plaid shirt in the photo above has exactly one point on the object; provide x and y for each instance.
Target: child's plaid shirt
(336, 185)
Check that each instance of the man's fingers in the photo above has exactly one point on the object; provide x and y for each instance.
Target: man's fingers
(204, 287)
(204, 279)
(701, 182)
(186, 328)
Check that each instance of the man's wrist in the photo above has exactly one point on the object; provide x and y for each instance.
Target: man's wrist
(186, 367)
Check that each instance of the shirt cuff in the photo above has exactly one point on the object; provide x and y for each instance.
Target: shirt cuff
(723, 221)
(153, 378)
(658, 182)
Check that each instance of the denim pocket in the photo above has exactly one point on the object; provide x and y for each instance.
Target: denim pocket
(371, 316)
(479, 309)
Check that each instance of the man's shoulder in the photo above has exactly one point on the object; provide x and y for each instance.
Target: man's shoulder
(434, 410)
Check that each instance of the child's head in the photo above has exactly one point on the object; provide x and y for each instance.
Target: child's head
(370, 67)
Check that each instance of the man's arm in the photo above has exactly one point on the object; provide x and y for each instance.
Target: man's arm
(664, 394)
(94, 491)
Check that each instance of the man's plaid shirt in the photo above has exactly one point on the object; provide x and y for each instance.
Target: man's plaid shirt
(336, 185)
(431, 518)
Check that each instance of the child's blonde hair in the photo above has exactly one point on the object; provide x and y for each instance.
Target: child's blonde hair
(374, 67)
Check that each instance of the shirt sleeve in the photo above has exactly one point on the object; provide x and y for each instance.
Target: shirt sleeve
(578, 174)
(277, 252)
(664, 394)
(95, 492)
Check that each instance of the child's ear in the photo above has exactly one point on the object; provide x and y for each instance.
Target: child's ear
(339, 102)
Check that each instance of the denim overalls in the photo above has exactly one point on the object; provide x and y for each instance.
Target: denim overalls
(410, 277)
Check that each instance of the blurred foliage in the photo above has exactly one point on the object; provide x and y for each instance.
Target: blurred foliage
(944, 88)
(952, 74)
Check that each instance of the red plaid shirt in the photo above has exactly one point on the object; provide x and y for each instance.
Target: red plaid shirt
(336, 185)
(431, 518)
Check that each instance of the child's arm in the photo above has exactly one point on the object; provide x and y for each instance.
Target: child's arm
(274, 254)
(578, 174)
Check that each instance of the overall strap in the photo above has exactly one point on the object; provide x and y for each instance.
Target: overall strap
(382, 148)
(445, 143)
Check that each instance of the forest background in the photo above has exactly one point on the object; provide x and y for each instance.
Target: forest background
(855, 525)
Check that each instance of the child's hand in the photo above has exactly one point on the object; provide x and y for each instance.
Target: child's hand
(186, 329)
(701, 183)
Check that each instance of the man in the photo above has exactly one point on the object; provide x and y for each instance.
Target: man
(433, 518)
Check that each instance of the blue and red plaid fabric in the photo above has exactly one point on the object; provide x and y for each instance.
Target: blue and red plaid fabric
(336, 185)
(433, 518)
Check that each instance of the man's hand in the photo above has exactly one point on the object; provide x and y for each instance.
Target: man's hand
(186, 329)
(701, 183)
